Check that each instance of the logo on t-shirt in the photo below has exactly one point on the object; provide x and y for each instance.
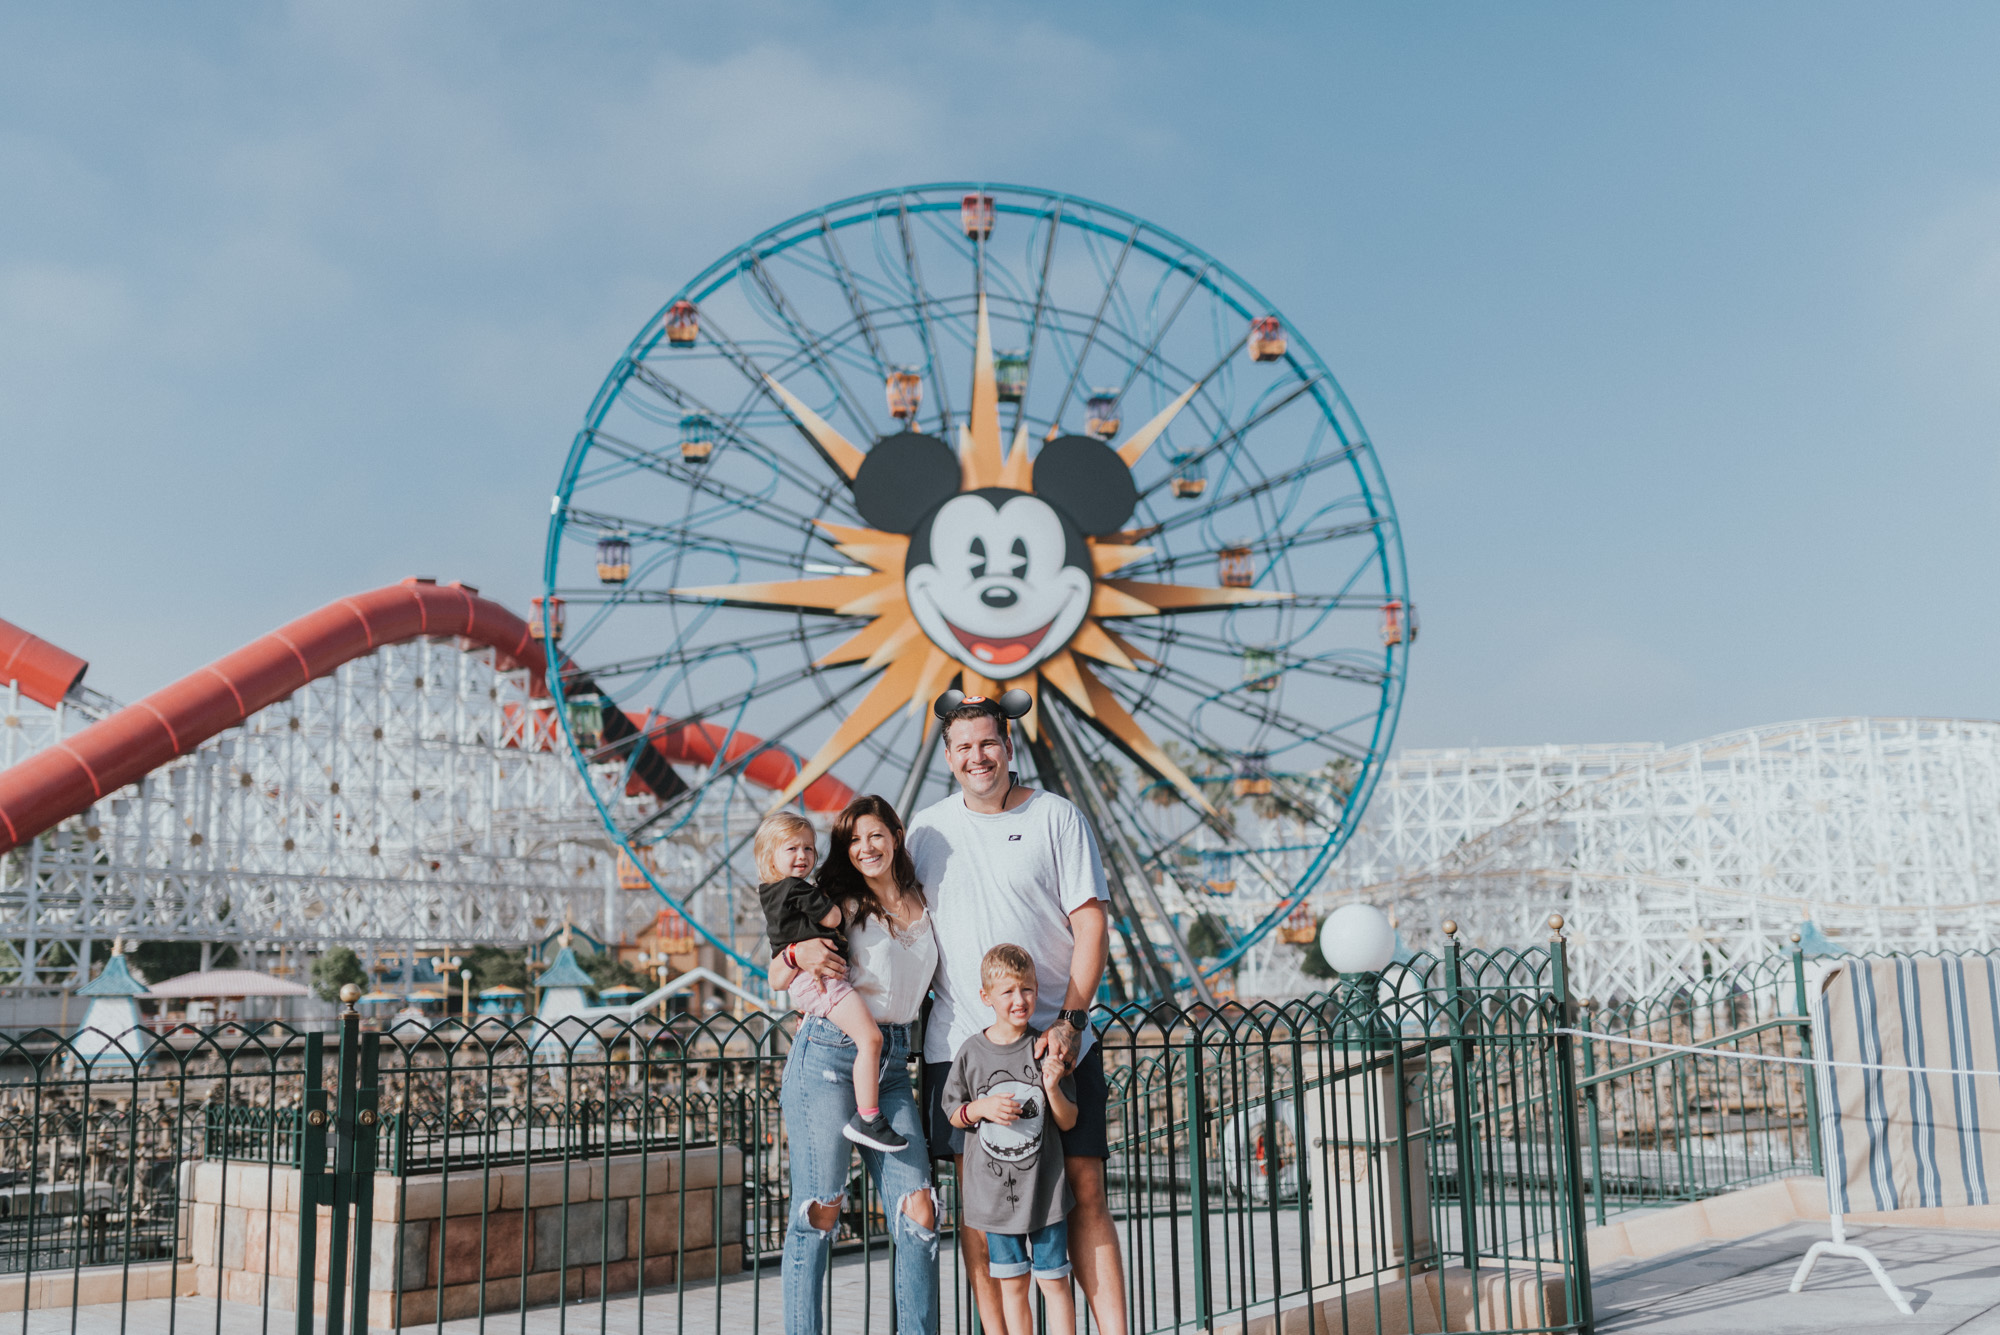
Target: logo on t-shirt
(1015, 1142)
(1013, 838)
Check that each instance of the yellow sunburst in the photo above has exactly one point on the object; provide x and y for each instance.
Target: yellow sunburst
(913, 670)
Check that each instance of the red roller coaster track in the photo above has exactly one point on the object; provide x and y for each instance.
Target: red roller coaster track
(46, 673)
(67, 778)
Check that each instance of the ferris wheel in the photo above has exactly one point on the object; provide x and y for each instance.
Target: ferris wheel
(993, 437)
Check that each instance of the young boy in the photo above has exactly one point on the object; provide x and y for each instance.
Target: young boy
(1014, 1187)
(796, 910)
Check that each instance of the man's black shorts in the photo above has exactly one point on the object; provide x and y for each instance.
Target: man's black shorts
(1088, 1138)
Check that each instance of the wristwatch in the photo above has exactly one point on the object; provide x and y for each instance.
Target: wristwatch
(1078, 1020)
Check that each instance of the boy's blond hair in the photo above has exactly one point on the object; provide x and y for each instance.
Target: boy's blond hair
(1004, 961)
(772, 831)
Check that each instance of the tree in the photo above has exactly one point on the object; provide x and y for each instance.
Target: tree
(607, 970)
(493, 967)
(334, 970)
(158, 961)
(1208, 937)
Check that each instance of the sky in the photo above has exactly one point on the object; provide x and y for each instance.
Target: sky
(1676, 326)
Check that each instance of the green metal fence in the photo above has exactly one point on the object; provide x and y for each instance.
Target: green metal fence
(1663, 1127)
(1404, 1151)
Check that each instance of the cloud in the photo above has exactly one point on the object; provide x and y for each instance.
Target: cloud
(340, 282)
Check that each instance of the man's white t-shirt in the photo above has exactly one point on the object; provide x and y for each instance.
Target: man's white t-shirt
(1011, 877)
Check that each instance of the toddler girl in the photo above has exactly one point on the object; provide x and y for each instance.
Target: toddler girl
(796, 910)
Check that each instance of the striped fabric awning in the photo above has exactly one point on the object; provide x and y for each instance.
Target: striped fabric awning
(1901, 1140)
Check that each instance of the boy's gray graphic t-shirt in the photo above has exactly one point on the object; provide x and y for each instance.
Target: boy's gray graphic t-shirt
(1014, 1180)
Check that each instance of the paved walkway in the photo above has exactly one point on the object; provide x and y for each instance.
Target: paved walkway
(1742, 1287)
(745, 1304)
(1728, 1288)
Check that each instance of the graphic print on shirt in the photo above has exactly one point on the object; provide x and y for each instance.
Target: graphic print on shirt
(1014, 1143)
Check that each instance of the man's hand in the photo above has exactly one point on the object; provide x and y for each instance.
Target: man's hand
(1062, 1042)
(819, 958)
(1091, 931)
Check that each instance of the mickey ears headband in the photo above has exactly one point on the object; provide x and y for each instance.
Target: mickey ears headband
(1012, 705)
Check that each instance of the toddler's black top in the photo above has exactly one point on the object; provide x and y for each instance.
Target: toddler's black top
(792, 912)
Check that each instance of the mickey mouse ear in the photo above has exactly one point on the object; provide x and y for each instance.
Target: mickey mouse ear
(1085, 479)
(902, 479)
(1013, 704)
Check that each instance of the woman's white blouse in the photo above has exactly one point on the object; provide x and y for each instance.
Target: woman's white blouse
(890, 969)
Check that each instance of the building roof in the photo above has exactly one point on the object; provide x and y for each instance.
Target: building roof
(557, 937)
(565, 972)
(503, 990)
(117, 980)
(228, 983)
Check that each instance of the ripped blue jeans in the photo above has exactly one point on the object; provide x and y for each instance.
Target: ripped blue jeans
(817, 1098)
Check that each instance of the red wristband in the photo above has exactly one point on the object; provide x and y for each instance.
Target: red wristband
(791, 955)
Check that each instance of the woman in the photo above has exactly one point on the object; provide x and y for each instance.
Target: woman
(869, 875)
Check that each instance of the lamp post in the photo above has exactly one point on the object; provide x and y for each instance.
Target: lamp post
(1357, 941)
(660, 967)
(1378, 1123)
(444, 968)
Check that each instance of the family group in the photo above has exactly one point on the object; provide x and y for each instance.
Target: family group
(991, 904)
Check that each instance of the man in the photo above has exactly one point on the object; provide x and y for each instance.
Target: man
(1002, 863)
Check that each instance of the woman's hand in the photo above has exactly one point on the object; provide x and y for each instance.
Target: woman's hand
(819, 958)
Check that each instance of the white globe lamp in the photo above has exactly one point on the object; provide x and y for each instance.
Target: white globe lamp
(1357, 938)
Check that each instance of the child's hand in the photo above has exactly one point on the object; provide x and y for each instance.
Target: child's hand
(1053, 1071)
(999, 1108)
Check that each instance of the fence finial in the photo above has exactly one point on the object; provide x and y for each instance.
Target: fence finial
(349, 994)
(1556, 926)
(1450, 927)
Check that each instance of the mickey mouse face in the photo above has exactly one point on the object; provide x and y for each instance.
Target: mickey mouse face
(999, 579)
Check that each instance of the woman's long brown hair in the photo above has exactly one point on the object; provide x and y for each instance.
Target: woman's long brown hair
(841, 882)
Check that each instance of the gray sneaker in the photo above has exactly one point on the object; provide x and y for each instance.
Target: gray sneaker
(874, 1132)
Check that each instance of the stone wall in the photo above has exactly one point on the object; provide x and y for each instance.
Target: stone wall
(493, 1240)
(95, 1286)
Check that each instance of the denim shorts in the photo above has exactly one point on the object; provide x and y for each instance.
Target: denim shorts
(1007, 1254)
